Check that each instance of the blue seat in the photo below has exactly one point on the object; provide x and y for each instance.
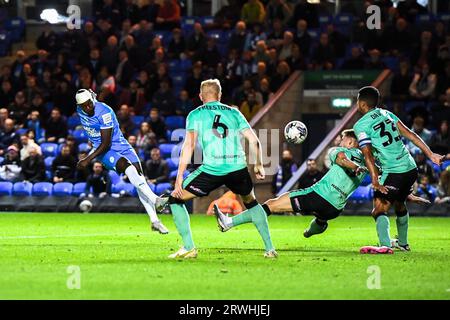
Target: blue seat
(80, 136)
(362, 194)
(187, 24)
(22, 189)
(42, 189)
(162, 187)
(173, 174)
(392, 63)
(314, 33)
(178, 80)
(424, 18)
(73, 122)
(166, 149)
(16, 26)
(410, 105)
(445, 164)
(343, 19)
(78, 188)
(115, 178)
(174, 65)
(49, 149)
(6, 188)
(173, 163)
(367, 180)
(48, 174)
(123, 186)
(2, 159)
(137, 120)
(62, 189)
(83, 147)
(21, 131)
(175, 122)
(206, 20)
(48, 162)
(325, 19)
(445, 17)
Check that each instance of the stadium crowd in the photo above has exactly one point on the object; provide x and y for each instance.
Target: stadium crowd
(147, 64)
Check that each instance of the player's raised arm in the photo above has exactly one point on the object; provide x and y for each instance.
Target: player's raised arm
(105, 145)
(255, 148)
(185, 158)
(414, 138)
(344, 162)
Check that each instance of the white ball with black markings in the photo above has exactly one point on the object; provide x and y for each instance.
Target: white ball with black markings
(85, 206)
(295, 132)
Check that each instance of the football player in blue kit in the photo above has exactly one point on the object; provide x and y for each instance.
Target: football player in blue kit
(113, 150)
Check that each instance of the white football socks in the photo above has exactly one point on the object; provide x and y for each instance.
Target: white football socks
(145, 194)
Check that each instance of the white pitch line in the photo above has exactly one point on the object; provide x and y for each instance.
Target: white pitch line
(448, 290)
(71, 236)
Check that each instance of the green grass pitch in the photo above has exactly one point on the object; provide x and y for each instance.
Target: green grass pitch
(119, 258)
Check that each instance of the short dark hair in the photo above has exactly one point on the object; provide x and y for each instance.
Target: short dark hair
(349, 133)
(369, 95)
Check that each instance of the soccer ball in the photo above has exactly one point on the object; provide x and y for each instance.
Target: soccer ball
(295, 132)
(85, 206)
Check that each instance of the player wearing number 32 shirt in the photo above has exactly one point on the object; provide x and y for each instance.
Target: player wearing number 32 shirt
(218, 128)
(379, 133)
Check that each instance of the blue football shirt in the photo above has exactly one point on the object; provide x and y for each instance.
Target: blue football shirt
(103, 118)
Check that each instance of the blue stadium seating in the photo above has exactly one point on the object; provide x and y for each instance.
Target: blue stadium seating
(444, 17)
(324, 20)
(366, 181)
(48, 174)
(73, 122)
(187, 24)
(42, 189)
(173, 163)
(175, 122)
(162, 187)
(123, 186)
(22, 189)
(16, 26)
(49, 149)
(6, 188)
(362, 194)
(206, 20)
(78, 188)
(166, 149)
(21, 131)
(445, 164)
(173, 174)
(62, 189)
(137, 120)
(83, 147)
(115, 178)
(80, 135)
(5, 43)
(48, 162)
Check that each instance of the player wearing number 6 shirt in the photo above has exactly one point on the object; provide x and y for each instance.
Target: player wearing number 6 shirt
(113, 150)
(379, 135)
(219, 129)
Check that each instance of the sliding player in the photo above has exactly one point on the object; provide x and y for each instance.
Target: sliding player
(326, 199)
(113, 150)
(379, 134)
(218, 128)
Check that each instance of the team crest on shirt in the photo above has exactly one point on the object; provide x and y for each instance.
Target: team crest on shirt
(107, 118)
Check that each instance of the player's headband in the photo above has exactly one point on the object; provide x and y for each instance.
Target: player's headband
(84, 95)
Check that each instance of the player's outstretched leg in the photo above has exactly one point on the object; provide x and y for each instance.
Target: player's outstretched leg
(402, 222)
(146, 196)
(182, 223)
(316, 226)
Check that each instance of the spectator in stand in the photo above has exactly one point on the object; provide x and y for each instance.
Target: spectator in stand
(137, 54)
(146, 139)
(356, 61)
(33, 166)
(238, 37)
(252, 12)
(156, 168)
(184, 103)
(162, 74)
(37, 104)
(283, 73)
(157, 124)
(305, 11)
(425, 189)
(296, 61)
(398, 38)
(285, 170)
(98, 181)
(63, 98)
(242, 92)
(278, 9)
(27, 145)
(275, 38)
(423, 84)
(17, 67)
(150, 11)
(126, 122)
(6, 93)
(4, 114)
(302, 37)
(10, 169)
(125, 69)
(257, 34)
(130, 11)
(110, 54)
(286, 46)
(164, 99)
(56, 127)
(133, 97)
(19, 109)
(443, 190)
(8, 136)
(196, 42)
(250, 107)
(169, 15)
(210, 55)
(401, 81)
(261, 54)
(264, 90)
(194, 80)
(418, 127)
(64, 166)
(311, 176)
(424, 168)
(426, 50)
(177, 45)
(323, 56)
(261, 72)
(34, 124)
(440, 142)
(72, 144)
(442, 68)
(374, 62)
(105, 80)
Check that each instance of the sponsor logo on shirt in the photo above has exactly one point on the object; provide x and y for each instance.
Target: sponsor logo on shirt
(92, 132)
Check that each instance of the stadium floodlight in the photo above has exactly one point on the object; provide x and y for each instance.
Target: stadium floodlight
(52, 16)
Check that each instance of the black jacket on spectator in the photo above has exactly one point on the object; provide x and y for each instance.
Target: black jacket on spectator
(99, 183)
(237, 41)
(165, 102)
(57, 129)
(7, 139)
(33, 169)
(308, 179)
(64, 167)
(158, 170)
(196, 43)
(158, 127)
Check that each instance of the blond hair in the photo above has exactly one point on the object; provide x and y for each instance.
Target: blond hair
(211, 87)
